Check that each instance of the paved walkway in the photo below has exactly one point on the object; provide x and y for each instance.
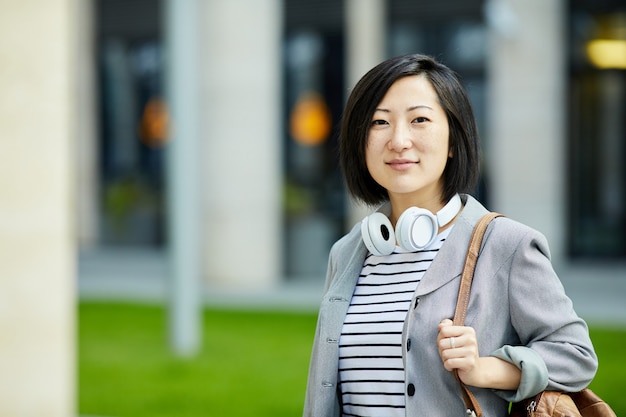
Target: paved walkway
(598, 292)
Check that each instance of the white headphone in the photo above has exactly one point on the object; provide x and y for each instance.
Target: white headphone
(416, 229)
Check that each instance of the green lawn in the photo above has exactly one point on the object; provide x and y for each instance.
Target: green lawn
(611, 377)
(251, 364)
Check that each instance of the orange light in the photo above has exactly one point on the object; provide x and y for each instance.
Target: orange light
(154, 124)
(310, 121)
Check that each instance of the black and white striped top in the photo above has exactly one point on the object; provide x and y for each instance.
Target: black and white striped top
(371, 372)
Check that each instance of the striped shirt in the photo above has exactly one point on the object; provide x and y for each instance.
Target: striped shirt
(371, 372)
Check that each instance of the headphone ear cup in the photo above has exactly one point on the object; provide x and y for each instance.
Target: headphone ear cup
(416, 229)
(377, 233)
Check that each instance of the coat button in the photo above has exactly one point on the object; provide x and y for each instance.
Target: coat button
(410, 390)
(408, 344)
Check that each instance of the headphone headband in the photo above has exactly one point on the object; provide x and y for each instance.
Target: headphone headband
(449, 211)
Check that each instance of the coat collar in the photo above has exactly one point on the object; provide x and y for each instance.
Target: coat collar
(449, 262)
(447, 265)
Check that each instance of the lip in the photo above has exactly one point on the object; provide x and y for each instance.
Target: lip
(401, 164)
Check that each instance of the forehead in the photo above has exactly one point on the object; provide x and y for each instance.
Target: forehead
(411, 89)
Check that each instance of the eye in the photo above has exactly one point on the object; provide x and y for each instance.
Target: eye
(379, 122)
(420, 120)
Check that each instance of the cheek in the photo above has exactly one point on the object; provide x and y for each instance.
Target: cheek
(369, 158)
(372, 149)
(446, 148)
(373, 157)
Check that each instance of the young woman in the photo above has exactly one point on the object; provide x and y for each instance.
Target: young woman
(385, 344)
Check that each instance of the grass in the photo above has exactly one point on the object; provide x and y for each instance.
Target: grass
(252, 363)
(610, 380)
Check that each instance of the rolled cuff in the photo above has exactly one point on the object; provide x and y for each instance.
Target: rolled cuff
(534, 377)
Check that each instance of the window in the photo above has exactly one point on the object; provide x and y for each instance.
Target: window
(314, 198)
(597, 130)
(131, 121)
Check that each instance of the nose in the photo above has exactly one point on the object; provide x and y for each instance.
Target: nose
(400, 139)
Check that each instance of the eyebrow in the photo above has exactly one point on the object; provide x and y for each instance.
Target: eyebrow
(418, 106)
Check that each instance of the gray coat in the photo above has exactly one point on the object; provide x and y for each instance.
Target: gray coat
(517, 307)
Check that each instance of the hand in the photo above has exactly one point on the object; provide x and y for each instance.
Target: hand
(458, 349)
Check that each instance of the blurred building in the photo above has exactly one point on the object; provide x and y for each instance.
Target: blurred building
(547, 79)
(131, 125)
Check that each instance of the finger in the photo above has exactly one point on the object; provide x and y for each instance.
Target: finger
(460, 363)
(451, 364)
(449, 330)
(452, 358)
(445, 323)
(452, 342)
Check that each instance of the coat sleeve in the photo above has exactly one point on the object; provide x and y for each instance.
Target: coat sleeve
(544, 318)
(534, 372)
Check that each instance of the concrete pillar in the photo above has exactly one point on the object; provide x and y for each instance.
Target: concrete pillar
(527, 108)
(241, 142)
(37, 247)
(365, 47)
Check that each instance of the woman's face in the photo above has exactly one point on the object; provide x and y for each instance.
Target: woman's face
(408, 141)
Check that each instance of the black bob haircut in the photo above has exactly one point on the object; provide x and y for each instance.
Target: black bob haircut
(462, 169)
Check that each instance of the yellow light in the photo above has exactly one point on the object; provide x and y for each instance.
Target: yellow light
(607, 53)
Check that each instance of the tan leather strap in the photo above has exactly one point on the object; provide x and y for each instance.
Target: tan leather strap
(473, 408)
(470, 264)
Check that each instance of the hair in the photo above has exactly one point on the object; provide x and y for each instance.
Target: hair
(462, 170)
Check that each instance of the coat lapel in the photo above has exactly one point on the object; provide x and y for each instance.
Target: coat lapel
(449, 262)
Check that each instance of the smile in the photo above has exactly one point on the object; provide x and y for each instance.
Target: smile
(401, 164)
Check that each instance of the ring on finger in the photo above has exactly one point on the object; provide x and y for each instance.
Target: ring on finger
(452, 343)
